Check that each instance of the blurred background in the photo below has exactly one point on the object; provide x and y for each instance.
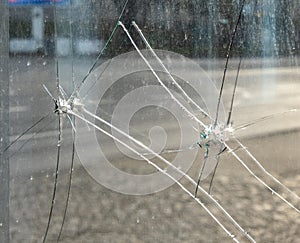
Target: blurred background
(267, 28)
(44, 39)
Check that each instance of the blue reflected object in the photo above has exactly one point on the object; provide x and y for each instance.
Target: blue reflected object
(37, 2)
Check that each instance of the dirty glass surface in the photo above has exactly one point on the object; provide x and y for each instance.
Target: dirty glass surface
(119, 109)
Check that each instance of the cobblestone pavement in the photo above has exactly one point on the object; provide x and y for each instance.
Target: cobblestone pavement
(96, 214)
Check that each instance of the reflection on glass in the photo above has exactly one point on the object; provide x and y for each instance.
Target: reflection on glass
(106, 95)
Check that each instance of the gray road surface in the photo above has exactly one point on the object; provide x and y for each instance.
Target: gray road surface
(97, 214)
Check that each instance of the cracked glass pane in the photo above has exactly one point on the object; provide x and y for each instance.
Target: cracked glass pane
(134, 121)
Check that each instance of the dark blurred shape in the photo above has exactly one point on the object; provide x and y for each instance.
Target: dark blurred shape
(4, 127)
